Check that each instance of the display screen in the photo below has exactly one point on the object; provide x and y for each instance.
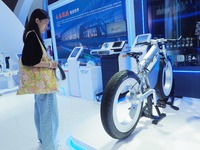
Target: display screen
(117, 44)
(19, 56)
(142, 38)
(90, 25)
(75, 52)
(116, 28)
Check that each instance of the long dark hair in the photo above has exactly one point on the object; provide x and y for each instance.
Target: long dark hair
(32, 25)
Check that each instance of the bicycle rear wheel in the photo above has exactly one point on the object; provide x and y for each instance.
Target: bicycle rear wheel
(165, 80)
(120, 110)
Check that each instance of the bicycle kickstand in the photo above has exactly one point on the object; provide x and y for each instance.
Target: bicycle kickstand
(148, 111)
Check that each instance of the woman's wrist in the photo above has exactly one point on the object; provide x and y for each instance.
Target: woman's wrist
(50, 65)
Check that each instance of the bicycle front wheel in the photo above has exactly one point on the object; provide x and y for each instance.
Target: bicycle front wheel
(120, 109)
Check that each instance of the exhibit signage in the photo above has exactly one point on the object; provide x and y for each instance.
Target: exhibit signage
(87, 23)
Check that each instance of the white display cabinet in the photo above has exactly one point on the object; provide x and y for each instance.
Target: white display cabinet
(64, 88)
(90, 80)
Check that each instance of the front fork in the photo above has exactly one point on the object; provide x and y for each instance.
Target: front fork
(164, 55)
(147, 110)
(141, 92)
(150, 96)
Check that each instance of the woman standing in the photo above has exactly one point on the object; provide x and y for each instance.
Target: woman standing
(37, 77)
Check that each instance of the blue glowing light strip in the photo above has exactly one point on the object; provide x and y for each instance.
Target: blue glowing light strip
(45, 4)
(181, 17)
(76, 146)
(143, 28)
(130, 21)
(186, 71)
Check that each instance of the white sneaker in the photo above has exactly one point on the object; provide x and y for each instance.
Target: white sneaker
(39, 146)
(60, 147)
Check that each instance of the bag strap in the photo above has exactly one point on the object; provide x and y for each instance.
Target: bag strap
(42, 46)
(63, 76)
(44, 51)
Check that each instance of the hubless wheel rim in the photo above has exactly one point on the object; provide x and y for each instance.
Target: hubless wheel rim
(167, 78)
(125, 118)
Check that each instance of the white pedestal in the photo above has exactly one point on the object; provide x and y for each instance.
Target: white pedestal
(90, 82)
(73, 66)
(64, 85)
(7, 83)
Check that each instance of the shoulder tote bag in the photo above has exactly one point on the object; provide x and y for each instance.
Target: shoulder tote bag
(35, 80)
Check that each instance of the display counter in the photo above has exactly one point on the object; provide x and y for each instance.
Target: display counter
(187, 81)
(90, 82)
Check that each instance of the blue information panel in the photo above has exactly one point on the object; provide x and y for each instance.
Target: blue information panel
(88, 23)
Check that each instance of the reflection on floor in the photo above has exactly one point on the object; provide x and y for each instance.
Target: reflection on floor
(81, 128)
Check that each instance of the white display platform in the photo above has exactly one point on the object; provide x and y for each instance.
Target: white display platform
(90, 80)
(64, 84)
(73, 65)
(7, 83)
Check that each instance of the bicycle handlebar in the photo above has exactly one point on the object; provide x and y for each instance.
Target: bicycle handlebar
(158, 40)
(174, 40)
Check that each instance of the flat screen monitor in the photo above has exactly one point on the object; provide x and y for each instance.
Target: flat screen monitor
(117, 44)
(116, 28)
(75, 52)
(143, 38)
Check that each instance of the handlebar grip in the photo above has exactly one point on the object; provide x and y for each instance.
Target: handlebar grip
(174, 40)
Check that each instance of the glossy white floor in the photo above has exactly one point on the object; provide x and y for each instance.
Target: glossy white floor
(81, 128)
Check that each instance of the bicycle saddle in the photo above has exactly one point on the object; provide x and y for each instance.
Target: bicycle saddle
(135, 55)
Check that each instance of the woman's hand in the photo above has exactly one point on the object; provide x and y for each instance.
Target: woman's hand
(44, 64)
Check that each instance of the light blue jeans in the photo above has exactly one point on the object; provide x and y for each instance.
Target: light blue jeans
(46, 120)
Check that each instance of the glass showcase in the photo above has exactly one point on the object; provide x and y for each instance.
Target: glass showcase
(175, 18)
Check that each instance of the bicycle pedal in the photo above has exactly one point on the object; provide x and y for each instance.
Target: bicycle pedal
(161, 103)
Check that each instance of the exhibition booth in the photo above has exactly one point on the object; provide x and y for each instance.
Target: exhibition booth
(144, 53)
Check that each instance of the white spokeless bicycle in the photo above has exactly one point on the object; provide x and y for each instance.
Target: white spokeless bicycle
(129, 95)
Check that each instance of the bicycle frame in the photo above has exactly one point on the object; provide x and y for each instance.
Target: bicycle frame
(147, 68)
